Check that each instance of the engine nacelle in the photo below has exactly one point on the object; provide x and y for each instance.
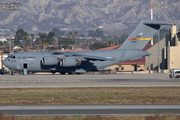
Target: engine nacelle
(50, 60)
(68, 62)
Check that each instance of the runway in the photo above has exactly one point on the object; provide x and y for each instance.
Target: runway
(89, 109)
(87, 80)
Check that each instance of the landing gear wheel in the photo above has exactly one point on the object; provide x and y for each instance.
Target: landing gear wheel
(79, 73)
(12, 72)
(53, 73)
(63, 73)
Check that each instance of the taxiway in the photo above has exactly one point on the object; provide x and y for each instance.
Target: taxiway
(87, 80)
(89, 109)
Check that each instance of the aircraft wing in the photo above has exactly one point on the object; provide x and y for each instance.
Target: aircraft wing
(88, 57)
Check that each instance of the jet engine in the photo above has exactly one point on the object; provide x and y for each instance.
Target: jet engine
(50, 60)
(68, 62)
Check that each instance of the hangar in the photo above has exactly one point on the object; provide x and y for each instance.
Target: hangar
(169, 52)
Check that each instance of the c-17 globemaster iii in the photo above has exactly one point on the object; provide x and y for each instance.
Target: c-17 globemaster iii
(84, 61)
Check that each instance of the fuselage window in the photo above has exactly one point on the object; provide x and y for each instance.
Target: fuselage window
(23, 57)
(13, 57)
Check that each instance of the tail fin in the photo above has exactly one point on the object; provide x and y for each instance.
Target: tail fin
(145, 30)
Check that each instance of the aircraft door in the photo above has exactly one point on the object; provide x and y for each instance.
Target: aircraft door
(25, 68)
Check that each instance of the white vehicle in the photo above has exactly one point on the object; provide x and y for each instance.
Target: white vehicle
(174, 73)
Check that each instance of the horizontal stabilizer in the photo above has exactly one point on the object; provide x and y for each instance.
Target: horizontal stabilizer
(136, 58)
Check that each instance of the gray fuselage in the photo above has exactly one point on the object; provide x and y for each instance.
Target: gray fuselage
(32, 61)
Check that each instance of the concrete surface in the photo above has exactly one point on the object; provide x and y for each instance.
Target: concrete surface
(87, 80)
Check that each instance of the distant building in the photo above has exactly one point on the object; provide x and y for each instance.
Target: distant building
(28, 48)
(17, 47)
(2, 39)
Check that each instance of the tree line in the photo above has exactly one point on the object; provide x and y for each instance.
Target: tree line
(22, 38)
(61, 39)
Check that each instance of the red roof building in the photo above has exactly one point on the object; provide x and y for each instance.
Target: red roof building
(28, 47)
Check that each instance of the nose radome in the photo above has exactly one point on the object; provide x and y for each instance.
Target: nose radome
(5, 62)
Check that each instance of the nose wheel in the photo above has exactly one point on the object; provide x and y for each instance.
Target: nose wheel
(11, 72)
(53, 73)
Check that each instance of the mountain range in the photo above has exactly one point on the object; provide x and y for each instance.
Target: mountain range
(83, 15)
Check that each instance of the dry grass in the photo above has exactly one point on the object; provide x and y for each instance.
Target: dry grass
(97, 117)
(85, 96)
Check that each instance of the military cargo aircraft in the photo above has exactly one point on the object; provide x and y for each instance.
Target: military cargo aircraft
(84, 61)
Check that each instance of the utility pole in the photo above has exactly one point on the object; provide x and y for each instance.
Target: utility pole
(9, 6)
(159, 5)
(152, 18)
(151, 9)
(2, 59)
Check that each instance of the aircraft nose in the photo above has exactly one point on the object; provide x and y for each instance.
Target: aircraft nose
(5, 62)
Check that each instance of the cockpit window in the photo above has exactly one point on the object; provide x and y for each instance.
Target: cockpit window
(11, 56)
